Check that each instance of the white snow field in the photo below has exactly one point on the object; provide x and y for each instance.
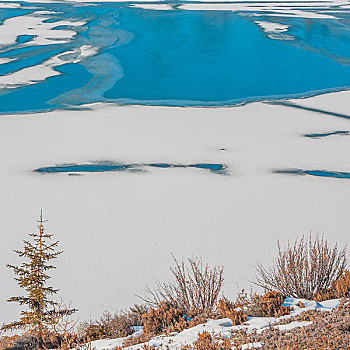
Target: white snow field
(224, 327)
(117, 229)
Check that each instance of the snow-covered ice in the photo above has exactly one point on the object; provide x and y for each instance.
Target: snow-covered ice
(118, 229)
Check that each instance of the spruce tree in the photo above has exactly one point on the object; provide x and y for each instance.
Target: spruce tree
(32, 276)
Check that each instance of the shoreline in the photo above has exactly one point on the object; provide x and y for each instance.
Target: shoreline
(270, 100)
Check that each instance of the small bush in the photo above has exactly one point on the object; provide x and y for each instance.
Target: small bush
(107, 326)
(207, 342)
(301, 305)
(268, 305)
(27, 341)
(195, 287)
(304, 269)
(113, 326)
(18, 342)
(339, 289)
(165, 318)
(232, 311)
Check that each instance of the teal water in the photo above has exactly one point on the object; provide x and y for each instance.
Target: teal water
(177, 58)
(108, 166)
(318, 173)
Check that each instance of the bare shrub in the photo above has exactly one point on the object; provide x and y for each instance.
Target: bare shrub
(232, 311)
(107, 326)
(112, 326)
(303, 269)
(62, 326)
(339, 289)
(195, 287)
(135, 313)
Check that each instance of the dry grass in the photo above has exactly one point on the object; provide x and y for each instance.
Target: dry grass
(195, 287)
(303, 269)
(339, 289)
(167, 318)
(208, 342)
(232, 311)
(267, 305)
(328, 331)
(139, 339)
(113, 326)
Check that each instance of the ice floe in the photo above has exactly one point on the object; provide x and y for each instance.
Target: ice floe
(45, 33)
(38, 73)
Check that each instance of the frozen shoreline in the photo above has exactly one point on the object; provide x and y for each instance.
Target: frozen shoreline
(118, 229)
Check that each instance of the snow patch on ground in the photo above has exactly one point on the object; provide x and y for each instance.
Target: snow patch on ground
(224, 327)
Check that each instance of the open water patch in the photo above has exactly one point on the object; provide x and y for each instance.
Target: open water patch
(174, 58)
(108, 166)
(326, 134)
(318, 173)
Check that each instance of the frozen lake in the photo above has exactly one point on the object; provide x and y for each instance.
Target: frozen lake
(122, 185)
(65, 55)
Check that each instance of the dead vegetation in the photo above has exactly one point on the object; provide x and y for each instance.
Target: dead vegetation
(195, 287)
(339, 289)
(209, 342)
(310, 268)
(165, 318)
(304, 269)
(186, 300)
(268, 305)
(329, 330)
(113, 326)
(232, 311)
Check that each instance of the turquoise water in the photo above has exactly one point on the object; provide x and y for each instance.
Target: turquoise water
(180, 58)
(318, 173)
(108, 166)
